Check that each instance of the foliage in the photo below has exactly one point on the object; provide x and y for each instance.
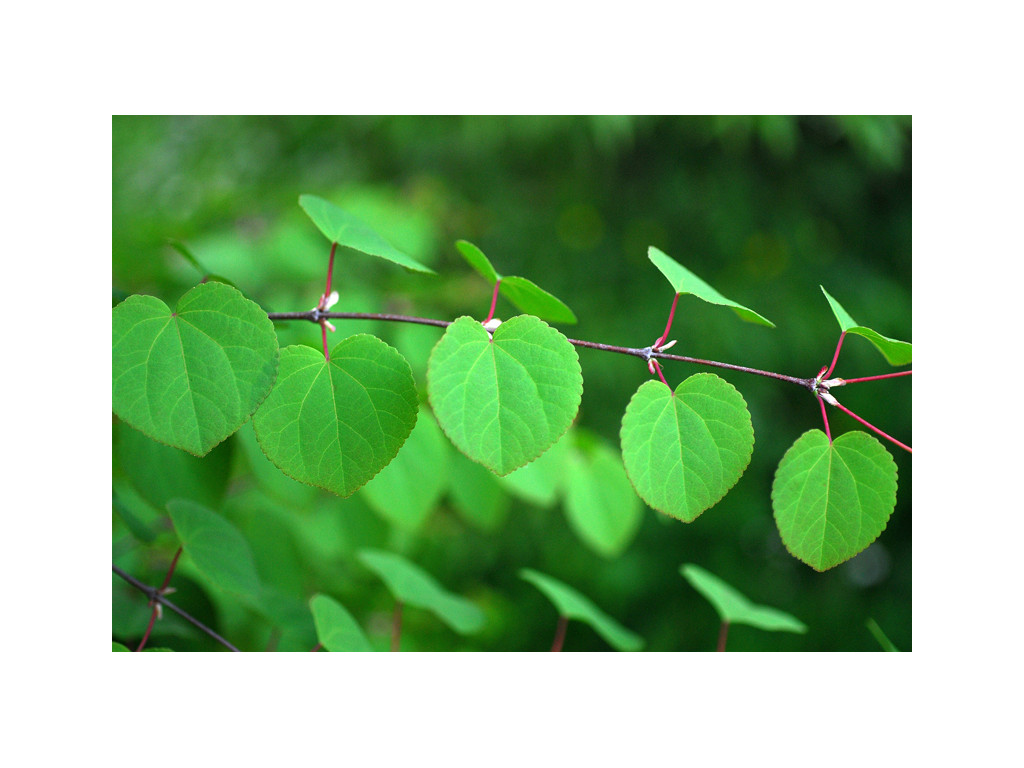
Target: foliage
(505, 397)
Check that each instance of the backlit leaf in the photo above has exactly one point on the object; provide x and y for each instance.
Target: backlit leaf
(735, 608)
(476, 259)
(601, 505)
(684, 281)
(337, 424)
(476, 493)
(217, 548)
(335, 628)
(571, 604)
(542, 481)
(684, 450)
(895, 352)
(831, 500)
(503, 402)
(534, 300)
(191, 378)
(411, 585)
(343, 228)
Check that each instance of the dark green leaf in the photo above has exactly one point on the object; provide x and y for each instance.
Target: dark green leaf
(880, 636)
(218, 550)
(335, 628)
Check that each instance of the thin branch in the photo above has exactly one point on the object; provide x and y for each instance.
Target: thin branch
(563, 622)
(396, 626)
(494, 302)
(836, 356)
(153, 594)
(723, 633)
(876, 378)
(668, 325)
(824, 417)
(156, 606)
(891, 439)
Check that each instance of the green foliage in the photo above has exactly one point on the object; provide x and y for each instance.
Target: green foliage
(347, 230)
(895, 352)
(572, 605)
(880, 636)
(684, 450)
(335, 628)
(504, 400)
(217, 549)
(684, 281)
(526, 295)
(735, 608)
(335, 424)
(191, 378)
(411, 585)
(831, 500)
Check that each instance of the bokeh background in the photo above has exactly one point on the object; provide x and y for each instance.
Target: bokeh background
(766, 209)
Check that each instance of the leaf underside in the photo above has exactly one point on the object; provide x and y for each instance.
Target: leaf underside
(217, 548)
(735, 608)
(894, 351)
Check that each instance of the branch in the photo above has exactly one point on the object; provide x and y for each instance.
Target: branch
(154, 594)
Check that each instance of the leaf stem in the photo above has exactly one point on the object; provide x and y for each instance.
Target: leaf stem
(882, 376)
(824, 417)
(657, 368)
(836, 356)
(494, 301)
(154, 594)
(155, 604)
(668, 325)
(563, 622)
(330, 271)
(723, 633)
(396, 626)
(891, 439)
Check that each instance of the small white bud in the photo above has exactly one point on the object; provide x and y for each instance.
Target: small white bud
(331, 301)
(491, 324)
(828, 398)
(650, 367)
(669, 345)
(330, 327)
(833, 383)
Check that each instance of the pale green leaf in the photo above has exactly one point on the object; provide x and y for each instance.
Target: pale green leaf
(600, 503)
(895, 352)
(407, 490)
(343, 228)
(476, 493)
(684, 450)
(335, 628)
(572, 605)
(411, 585)
(503, 402)
(191, 378)
(684, 281)
(735, 608)
(217, 549)
(831, 500)
(337, 424)
(542, 481)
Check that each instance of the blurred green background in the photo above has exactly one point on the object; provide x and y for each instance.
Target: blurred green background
(765, 209)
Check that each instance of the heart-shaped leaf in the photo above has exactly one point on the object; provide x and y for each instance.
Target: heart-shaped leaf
(406, 490)
(684, 281)
(343, 228)
(526, 295)
(684, 450)
(218, 550)
(734, 608)
(411, 585)
(191, 378)
(335, 628)
(895, 352)
(571, 604)
(503, 402)
(831, 500)
(600, 504)
(335, 424)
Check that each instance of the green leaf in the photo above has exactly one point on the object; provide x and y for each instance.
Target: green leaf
(895, 352)
(337, 424)
(118, 648)
(191, 378)
(476, 493)
(534, 300)
(406, 490)
(335, 628)
(345, 229)
(411, 585)
(217, 548)
(684, 281)
(503, 402)
(831, 500)
(885, 642)
(478, 261)
(600, 503)
(541, 481)
(527, 296)
(684, 450)
(571, 604)
(735, 608)
(161, 473)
